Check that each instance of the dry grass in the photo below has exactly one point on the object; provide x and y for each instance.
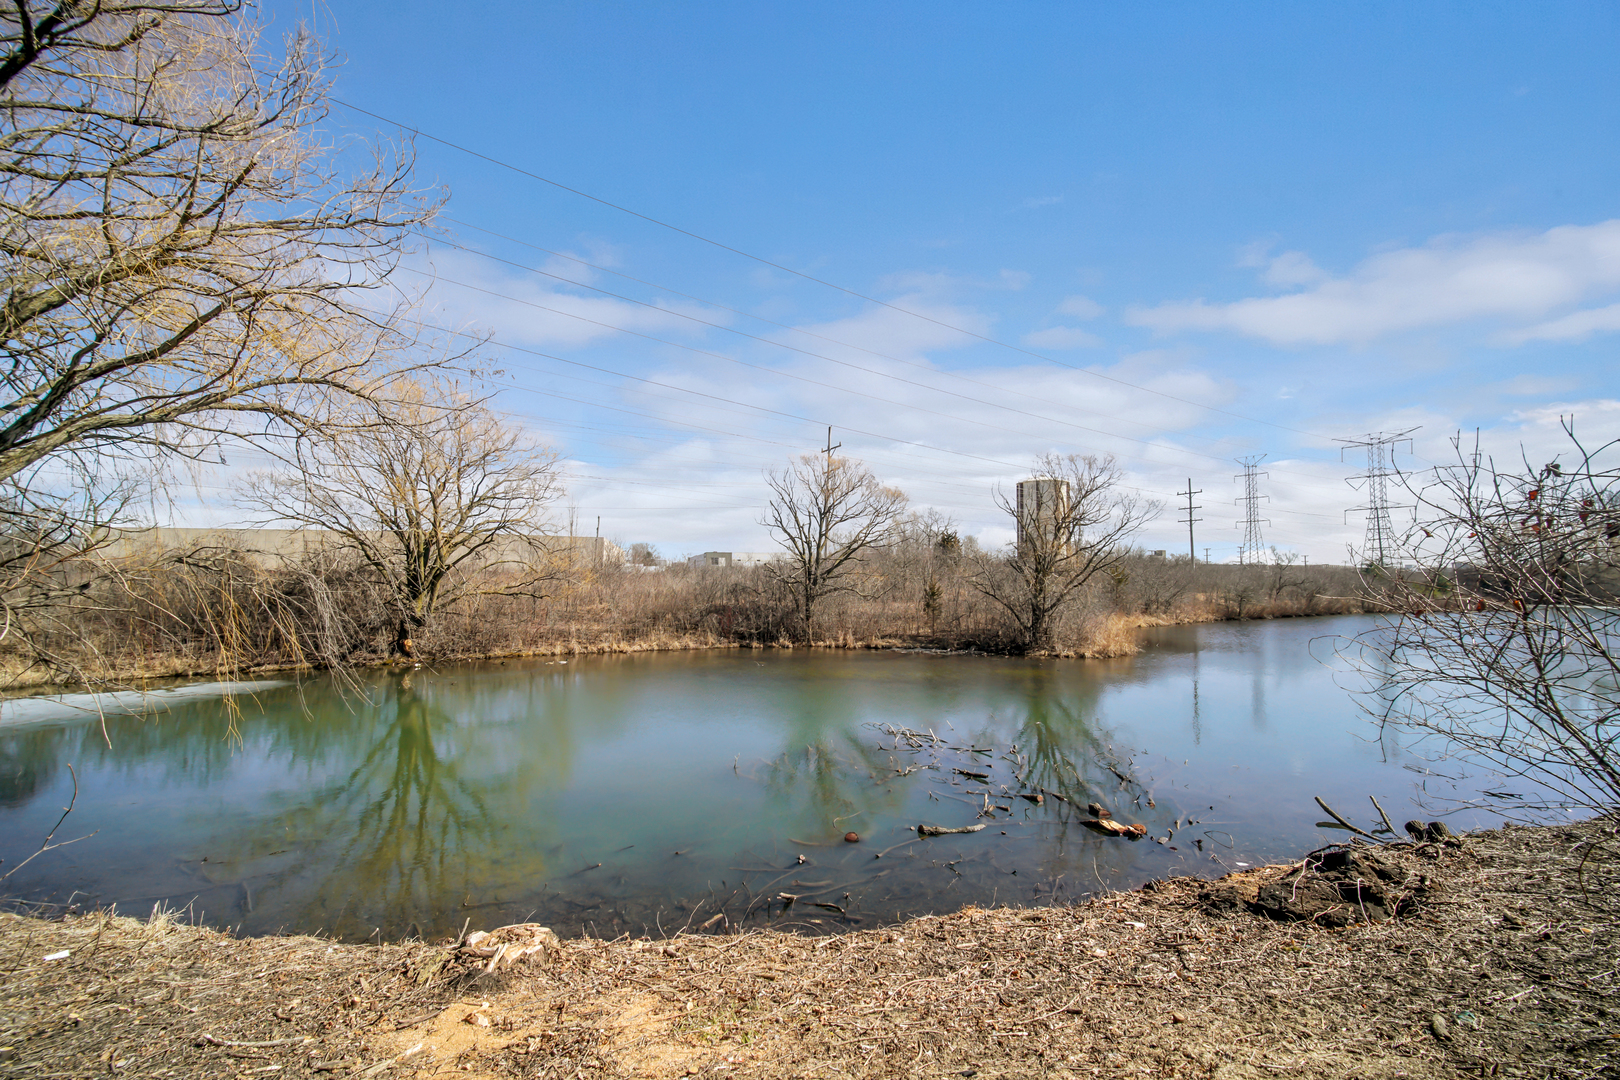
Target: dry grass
(229, 615)
(1512, 948)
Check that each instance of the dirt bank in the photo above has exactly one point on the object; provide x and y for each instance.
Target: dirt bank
(1497, 958)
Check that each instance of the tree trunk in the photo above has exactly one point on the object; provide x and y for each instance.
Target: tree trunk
(403, 645)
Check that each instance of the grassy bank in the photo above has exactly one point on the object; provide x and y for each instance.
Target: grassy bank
(1499, 961)
(233, 613)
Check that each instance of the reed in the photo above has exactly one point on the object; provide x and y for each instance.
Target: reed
(228, 613)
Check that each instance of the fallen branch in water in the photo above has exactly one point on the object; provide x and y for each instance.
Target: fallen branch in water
(1108, 826)
(939, 830)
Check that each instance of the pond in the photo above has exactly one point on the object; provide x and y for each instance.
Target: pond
(653, 792)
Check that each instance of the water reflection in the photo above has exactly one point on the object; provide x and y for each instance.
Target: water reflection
(405, 821)
(26, 760)
(619, 793)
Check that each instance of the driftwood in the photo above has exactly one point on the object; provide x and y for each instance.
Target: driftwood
(1110, 827)
(971, 775)
(938, 830)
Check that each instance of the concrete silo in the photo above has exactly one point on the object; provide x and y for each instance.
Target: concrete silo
(1043, 510)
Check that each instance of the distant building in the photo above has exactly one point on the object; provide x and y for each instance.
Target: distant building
(734, 558)
(267, 546)
(1043, 504)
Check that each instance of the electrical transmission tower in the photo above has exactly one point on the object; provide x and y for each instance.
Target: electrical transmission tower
(1192, 552)
(1253, 545)
(1378, 545)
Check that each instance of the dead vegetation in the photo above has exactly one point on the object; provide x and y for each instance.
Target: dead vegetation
(1498, 960)
(226, 613)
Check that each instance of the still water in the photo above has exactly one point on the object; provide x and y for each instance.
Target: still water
(653, 792)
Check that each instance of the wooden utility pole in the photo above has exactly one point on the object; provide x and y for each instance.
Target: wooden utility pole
(1192, 552)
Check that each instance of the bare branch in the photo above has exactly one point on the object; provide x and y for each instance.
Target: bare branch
(1500, 645)
(1081, 528)
(827, 511)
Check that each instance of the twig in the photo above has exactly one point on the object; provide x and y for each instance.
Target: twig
(1383, 815)
(1332, 814)
(210, 1039)
(46, 845)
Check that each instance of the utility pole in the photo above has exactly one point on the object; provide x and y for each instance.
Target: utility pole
(1206, 555)
(830, 447)
(1192, 552)
(1253, 543)
(1378, 543)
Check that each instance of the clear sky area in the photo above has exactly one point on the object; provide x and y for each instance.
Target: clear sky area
(965, 235)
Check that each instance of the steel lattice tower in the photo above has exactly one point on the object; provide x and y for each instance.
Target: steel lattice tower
(1254, 544)
(1378, 543)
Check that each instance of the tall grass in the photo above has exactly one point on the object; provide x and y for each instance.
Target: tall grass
(228, 612)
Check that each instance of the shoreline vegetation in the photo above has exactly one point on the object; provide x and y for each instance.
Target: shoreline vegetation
(226, 612)
(1488, 955)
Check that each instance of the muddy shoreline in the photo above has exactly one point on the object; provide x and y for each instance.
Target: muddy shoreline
(1498, 958)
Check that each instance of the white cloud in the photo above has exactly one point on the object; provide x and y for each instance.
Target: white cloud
(1536, 385)
(530, 310)
(1292, 268)
(1576, 326)
(943, 284)
(1062, 337)
(1287, 270)
(1449, 280)
(1541, 429)
(1081, 307)
(896, 333)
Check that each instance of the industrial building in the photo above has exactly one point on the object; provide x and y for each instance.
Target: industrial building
(734, 558)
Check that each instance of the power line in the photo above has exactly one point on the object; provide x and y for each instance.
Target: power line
(809, 277)
(801, 378)
(1157, 444)
(731, 401)
(717, 397)
(757, 367)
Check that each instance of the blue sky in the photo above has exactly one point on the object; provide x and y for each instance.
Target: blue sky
(1224, 229)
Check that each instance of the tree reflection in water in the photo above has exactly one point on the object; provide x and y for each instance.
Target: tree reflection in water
(1062, 752)
(404, 834)
(827, 775)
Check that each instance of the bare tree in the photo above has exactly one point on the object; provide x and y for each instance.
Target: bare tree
(826, 511)
(1501, 644)
(1081, 530)
(444, 501)
(30, 31)
(182, 251)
